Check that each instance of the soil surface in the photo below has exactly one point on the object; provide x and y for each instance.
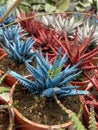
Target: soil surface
(7, 63)
(43, 110)
(4, 119)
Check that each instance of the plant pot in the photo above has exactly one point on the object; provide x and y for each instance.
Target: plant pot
(26, 124)
(10, 112)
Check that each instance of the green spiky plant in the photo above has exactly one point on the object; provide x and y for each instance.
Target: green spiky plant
(77, 124)
(2, 88)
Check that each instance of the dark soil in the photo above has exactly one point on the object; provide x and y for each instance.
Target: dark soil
(43, 110)
(7, 63)
(4, 119)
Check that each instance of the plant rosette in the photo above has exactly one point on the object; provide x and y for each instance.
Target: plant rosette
(25, 123)
(6, 116)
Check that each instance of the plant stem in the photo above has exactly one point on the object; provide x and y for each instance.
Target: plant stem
(44, 14)
(9, 10)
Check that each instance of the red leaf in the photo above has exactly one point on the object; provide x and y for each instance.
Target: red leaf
(85, 43)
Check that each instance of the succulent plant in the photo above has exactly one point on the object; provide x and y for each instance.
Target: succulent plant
(92, 98)
(49, 79)
(19, 50)
(78, 52)
(9, 19)
(85, 31)
(12, 33)
(94, 80)
(46, 42)
(61, 23)
(31, 26)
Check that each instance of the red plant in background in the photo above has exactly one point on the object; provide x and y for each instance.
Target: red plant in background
(92, 98)
(47, 42)
(31, 25)
(94, 80)
(78, 52)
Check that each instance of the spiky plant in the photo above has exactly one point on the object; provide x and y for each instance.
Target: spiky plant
(49, 79)
(85, 31)
(10, 18)
(46, 41)
(92, 98)
(78, 52)
(61, 23)
(11, 33)
(31, 26)
(19, 50)
(94, 80)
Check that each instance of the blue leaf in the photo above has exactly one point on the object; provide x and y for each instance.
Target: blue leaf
(69, 78)
(35, 73)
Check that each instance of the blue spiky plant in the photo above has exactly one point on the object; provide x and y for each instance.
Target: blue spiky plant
(50, 79)
(9, 19)
(20, 50)
(12, 33)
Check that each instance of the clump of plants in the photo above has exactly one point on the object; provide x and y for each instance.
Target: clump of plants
(46, 80)
(49, 78)
(15, 46)
(76, 52)
(61, 23)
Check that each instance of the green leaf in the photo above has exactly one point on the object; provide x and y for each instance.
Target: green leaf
(49, 8)
(63, 5)
(3, 89)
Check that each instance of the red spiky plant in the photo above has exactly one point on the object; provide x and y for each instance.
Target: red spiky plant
(47, 42)
(43, 36)
(78, 52)
(31, 25)
(92, 98)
